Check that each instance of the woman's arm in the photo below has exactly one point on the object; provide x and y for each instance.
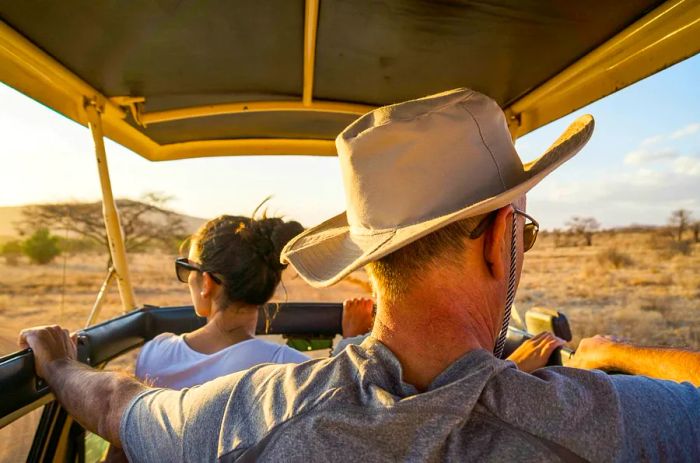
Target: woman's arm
(535, 352)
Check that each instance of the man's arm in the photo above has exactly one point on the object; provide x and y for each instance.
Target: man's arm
(96, 399)
(671, 364)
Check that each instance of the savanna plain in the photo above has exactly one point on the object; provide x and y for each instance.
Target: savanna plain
(642, 285)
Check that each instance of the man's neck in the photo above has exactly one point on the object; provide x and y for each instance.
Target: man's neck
(428, 331)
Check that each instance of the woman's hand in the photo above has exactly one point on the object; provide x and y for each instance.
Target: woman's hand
(534, 353)
(358, 316)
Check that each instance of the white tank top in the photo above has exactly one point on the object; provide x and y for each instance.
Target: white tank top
(167, 360)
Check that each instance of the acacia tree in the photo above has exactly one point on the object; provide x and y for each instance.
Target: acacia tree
(584, 226)
(144, 222)
(680, 221)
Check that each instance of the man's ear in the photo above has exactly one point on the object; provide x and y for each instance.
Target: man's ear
(495, 243)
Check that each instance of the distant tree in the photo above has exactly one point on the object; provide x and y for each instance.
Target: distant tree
(11, 251)
(696, 231)
(144, 223)
(584, 226)
(41, 247)
(679, 221)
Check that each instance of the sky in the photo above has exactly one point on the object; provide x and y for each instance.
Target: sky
(642, 162)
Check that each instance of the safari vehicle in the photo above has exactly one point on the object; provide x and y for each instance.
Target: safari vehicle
(175, 80)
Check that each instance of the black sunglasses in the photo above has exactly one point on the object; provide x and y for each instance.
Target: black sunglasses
(183, 267)
(530, 230)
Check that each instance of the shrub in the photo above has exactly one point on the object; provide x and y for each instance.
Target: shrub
(681, 247)
(614, 257)
(11, 251)
(668, 248)
(41, 247)
(79, 246)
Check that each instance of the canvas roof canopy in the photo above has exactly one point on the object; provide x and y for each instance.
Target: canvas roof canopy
(186, 78)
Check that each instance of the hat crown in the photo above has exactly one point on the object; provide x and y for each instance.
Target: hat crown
(411, 162)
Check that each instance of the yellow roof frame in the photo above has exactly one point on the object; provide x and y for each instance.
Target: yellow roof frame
(666, 35)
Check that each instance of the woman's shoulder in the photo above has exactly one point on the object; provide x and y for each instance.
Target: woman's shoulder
(162, 340)
(153, 349)
(272, 352)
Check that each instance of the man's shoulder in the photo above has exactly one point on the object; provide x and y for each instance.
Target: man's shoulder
(575, 408)
(568, 390)
(306, 378)
(588, 411)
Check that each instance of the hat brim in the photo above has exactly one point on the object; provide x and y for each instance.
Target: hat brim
(327, 253)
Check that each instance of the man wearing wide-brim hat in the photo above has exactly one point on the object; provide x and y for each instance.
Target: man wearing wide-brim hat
(435, 196)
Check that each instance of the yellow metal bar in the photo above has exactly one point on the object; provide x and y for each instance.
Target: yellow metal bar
(32, 67)
(254, 106)
(17, 414)
(243, 147)
(28, 69)
(665, 36)
(109, 209)
(310, 28)
(97, 306)
(59, 453)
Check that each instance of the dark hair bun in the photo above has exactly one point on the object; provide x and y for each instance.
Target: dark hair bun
(246, 252)
(283, 233)
(270, 235)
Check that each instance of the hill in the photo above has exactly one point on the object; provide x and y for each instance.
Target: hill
(10, 216)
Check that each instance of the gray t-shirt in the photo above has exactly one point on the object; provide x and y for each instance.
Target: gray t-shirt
(356, 407)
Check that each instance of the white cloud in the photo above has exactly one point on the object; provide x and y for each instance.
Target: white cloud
(644, 155)
(644, 194)
(651, 140)
(685, 131)
(687, 165)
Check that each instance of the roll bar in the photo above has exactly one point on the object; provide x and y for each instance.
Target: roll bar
(22, 390)
(105, 341)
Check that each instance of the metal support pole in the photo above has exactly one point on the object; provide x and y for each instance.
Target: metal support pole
(95, 312)
(109, 210)
(310, 29)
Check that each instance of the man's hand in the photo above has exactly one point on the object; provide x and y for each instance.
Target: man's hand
(594, 353)
(534, 353)
(358, 316)
(96, 399)
(49, 343)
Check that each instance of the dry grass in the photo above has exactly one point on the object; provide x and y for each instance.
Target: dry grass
(638, 285)
(631, 284)
(64, 291)
(641, 286)
(614, 258)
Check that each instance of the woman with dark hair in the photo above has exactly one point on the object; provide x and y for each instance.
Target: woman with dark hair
(233, 266)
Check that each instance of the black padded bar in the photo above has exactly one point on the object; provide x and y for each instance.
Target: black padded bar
(19, 386)
(320, 318)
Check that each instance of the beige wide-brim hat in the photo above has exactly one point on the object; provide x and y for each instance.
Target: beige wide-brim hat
(414, 167)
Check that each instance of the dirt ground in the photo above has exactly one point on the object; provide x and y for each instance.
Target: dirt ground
(637, 285)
